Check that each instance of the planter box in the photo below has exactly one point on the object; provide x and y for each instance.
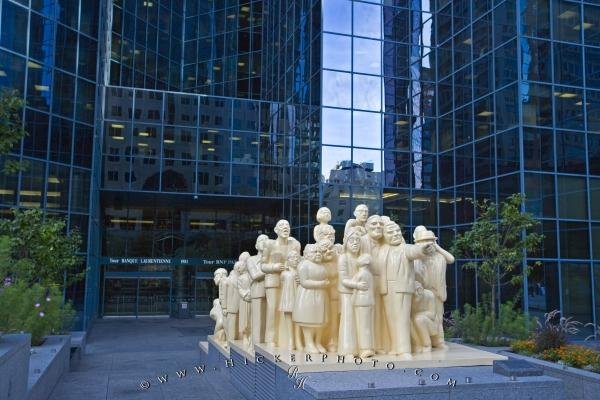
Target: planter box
(47, 364)
(579, 384)
(14, 364)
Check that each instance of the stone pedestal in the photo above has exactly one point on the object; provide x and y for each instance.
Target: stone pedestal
(14, 366)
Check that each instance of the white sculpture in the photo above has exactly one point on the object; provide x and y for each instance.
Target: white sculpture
(347, 268)
(232, 303)
(374, 294)
(400, 281)
(273, 263)
(288, 296)
(220, 277)
(372, 243)
(424, 328)
(361, 213)
(431, 273)
(245, 319)
(257, 290)
(216, 313)
(310, 306)
(363, 300)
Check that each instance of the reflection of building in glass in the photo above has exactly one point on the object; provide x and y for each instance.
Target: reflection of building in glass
(213, 119)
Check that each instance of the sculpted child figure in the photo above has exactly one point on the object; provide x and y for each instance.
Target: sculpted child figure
(311, 303)
(347, 268)
(216, 313)
(273, 263)
(257, 290)
(431, 272)
(245, 320)
(288, 297)
(363, 300)
(361, 213)
(220, 277)
(323, 230)
(424, 330)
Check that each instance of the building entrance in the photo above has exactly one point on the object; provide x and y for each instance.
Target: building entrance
(163, 290)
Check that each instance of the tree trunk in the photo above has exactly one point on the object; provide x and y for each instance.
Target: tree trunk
(493, 305)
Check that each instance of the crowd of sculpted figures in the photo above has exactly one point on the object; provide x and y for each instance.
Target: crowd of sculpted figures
(373, 294)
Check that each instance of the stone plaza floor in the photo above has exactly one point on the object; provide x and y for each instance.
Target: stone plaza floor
(121, 354)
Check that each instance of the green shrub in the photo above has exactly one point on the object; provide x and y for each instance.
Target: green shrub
(36, 309)
(476, 325)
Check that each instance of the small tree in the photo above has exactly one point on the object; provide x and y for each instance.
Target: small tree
(37, 250)
(496, 243)
(11, 127)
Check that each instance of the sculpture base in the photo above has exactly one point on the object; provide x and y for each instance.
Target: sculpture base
(455, 355)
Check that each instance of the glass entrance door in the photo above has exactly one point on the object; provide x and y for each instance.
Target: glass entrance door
(206, 292)
(120, 296)
(154, 297)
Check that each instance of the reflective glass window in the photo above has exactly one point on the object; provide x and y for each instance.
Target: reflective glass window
(572, 197)
(397, 167)
(593, 152)
(507, 112)
(464, 206)
(180, 142)
(446, 162)
(41, 38)
(336, 126)
(39, 83)
(396, 24)
(464, 164)
(570, 152)
(482, 36)
(367, 56)
(484, 76)
(537, 104)
(507, 186)
(367, 20)
(595, 198)
(12, 71)
(177, 176)
(484, 158)
(535, 18)
(57, 193)
(80, 190)
(593, 110)
(424, 169)
(566, 19)
(462, 48)
(213, 178)
(596, 245)
(568, 108)
(505, 26)
(337, 16)
(576, 291)
(63, 93)
(60, 140)
(463, 125)
(444, 23)
(245, 150)
(592, 67)
(484, 117)
(568, 64)
(82, 149)
(538, 149)
(366, 92)
(370, 160)
(591, 25)
(14, 28)
(66, 48)
(461, 13)
(539, 189)
(543, 289)
(271, 181)
(506, 64)
(337, 52)
(35, 144)
(244, 180)
(85, 101)
(423, 208)
(507, 151)
(336, 89)
(366, 129)
(536, 60)
(333, 168)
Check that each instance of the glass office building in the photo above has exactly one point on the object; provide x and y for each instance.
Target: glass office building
(173, 132)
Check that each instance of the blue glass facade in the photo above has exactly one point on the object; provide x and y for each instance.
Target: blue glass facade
(212, 119)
